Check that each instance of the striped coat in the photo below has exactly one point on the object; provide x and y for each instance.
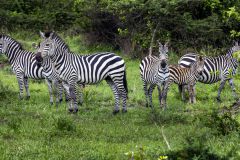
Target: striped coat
(221, 68)
(24, 65)
(85, 69)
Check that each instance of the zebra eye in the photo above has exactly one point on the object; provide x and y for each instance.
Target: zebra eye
(47, 45)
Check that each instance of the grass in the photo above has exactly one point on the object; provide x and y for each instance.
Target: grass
(34, 129)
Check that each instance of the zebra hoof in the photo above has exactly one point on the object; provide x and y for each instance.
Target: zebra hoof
(67, 99)
(219, 99)
(70, 110)
(75, 110)
(124, 111)
(80, 103)
(60, 100)
(28, 97)
(146, 105)
(115, 112)
(51, 103)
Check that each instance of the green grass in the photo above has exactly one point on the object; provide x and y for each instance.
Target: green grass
(34, 129)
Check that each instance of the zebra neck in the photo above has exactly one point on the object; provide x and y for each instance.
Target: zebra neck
(13, 54)
(61, 62)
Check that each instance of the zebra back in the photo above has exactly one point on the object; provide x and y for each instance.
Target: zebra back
(215, 68)
(86, 69)
(22, 61)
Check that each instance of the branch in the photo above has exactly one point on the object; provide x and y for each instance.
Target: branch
(164, 137)
(153, 36)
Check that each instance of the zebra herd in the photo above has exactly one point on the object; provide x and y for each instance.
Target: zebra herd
(65, 70)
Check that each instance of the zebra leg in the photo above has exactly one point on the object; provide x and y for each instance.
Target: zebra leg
(25, 81)
(56, 90)
(60, 91)
(67, 95)
(190, 91)
(50, 90)
(150, 91)
(20, 84)
(194, 94)
(159, 94)
(220, 90)
(146, 92)
(67, 92)
(164, 95)
(123, 94)
(233, 88)
(181, 91)
(183, 88)
(72, 91)
(116, 95)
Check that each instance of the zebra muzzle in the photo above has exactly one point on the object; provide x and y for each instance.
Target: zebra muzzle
(163, 64)
(39, 59)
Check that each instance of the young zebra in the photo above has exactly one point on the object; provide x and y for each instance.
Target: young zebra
(220, 68)
(87, 69)
(24, 65)
(154, 71)
(185, 76)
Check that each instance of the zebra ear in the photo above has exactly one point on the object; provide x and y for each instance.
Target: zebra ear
(159, 43)
(235, 43)
(34, 45)
(166, 44)
(51, 34)
(198, 58)
(42, 35)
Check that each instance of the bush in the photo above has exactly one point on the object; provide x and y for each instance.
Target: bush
(224, 123)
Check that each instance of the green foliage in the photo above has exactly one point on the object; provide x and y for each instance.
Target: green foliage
(128, 24)
(224, 123)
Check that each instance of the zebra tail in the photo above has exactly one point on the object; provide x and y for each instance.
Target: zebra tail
(125, 83)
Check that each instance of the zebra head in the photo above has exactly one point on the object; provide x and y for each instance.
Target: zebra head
(234, 48)
(46, 48)
(38, 57)
(163, 56)
(198, 65)
(3, 44)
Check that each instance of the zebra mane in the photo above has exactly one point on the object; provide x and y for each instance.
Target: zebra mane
(58, 38)
(11, 39)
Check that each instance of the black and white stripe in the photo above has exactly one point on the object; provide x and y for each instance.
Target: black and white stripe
(85, 69)
(185, 77)
(24, 65)
(154, 71)
(220, 68)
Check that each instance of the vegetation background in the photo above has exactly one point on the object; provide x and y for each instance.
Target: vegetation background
(36, 130)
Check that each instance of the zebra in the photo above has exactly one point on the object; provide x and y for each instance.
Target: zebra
(221, 68)
(154, 71)
(49, 68)
(85, 69)
(24, 65)
(185, 76)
